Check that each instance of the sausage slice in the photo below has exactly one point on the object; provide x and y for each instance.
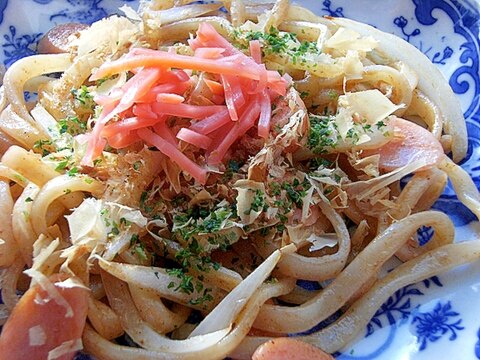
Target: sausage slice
(56, 40)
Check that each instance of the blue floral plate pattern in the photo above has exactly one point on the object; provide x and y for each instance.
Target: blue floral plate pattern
(434, 319)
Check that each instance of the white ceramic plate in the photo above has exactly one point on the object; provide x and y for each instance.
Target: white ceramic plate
(437, 318)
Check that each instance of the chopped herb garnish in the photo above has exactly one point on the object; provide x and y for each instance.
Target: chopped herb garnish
(281, 44)
(136, 165)
(102, 80)
(319, 162)
(186, 281)
(125, 222)
(275, 188)
(140, 251)
(304, 94)
(233, 167)
(136, 246)
(72, 125)
(294, 193)
(134, 239)
(380, 124)
(43, 145)
(200, 221)
(352, 134)
(322, 133)
(367, 128)
(271, 280)
(332, 94)
(73, 171)
(115, 231)
(258, 202)
(19, 177)
(143, 198)
(61, 165)
(202, 299)
(83, 96)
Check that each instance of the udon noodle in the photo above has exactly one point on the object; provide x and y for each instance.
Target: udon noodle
(188, 163)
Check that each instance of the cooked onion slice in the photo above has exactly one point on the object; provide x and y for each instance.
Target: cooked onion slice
(224, 313)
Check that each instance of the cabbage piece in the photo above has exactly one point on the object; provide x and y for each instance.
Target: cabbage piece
(344, 119)
(347, 39)
(372, 105)
(86, 224)
(102, 226)
(352, 65)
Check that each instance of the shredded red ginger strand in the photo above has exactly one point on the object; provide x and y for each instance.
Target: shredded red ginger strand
(242, 91)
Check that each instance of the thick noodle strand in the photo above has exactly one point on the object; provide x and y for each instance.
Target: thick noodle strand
(344, 330)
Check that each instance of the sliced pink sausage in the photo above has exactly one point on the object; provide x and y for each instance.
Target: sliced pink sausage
(38, 324)
(289, 349)
(56, 40)
(413, 143)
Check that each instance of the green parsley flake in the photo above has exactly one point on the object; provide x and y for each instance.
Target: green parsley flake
(258, 202)
(73, 171)
(136, 165)
(43, 145)
(61, 165)
(72, 125)
(83, 96)
(323, 130)
(281, 43)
